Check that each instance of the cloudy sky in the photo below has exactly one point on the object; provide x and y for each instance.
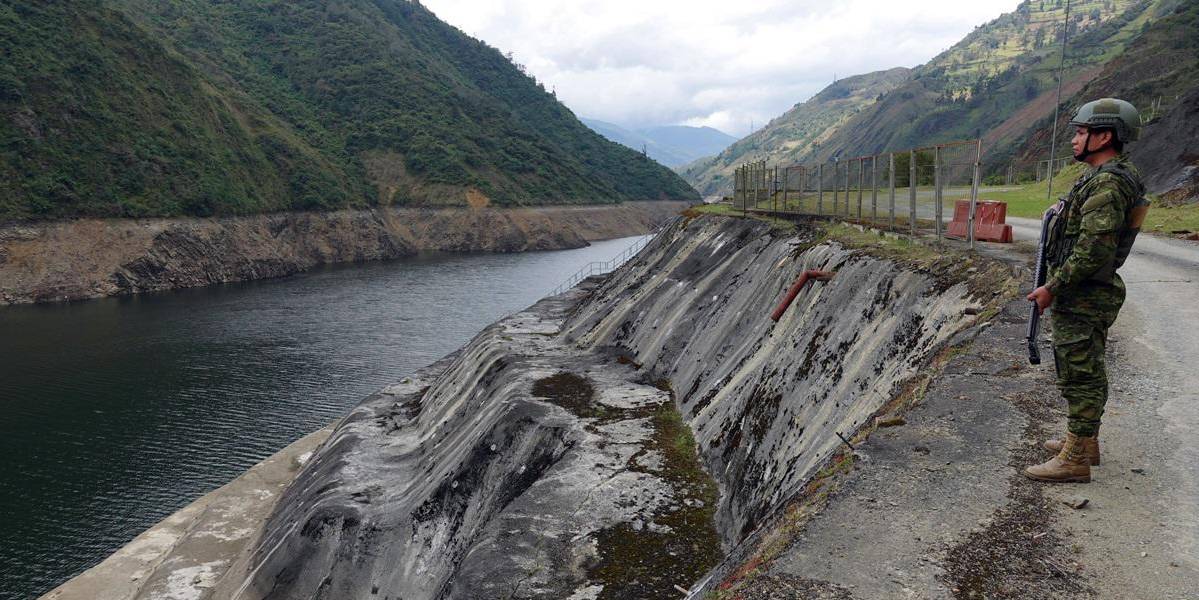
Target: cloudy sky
(709, 62)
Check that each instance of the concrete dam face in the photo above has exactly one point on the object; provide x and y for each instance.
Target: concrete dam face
(616, 440)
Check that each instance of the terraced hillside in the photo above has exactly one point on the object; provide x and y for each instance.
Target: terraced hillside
(998, 83)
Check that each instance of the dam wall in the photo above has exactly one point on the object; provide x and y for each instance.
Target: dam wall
(617, 440)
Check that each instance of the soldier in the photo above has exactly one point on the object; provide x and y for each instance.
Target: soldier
(1090, 236)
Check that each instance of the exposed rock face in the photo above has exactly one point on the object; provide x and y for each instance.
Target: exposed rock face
(767, 400)
(517, 468)
(1166, 154)
(88, 258)
(540, 462)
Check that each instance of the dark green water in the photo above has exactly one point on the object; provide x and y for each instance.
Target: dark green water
(115, 413)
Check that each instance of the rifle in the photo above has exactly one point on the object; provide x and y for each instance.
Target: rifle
(1034, 321)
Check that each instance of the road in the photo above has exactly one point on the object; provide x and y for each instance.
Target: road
(1141, 532)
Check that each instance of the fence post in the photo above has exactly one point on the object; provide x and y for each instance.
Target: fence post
(820, 189)
(861, 174)
(891, 176)
(786, 176)
(803, 174)
(874, 190)
(937, 183)
(765, 189)
(836, 188)
(975, 182)
(736, 186)
(847, 188)
(912, 189)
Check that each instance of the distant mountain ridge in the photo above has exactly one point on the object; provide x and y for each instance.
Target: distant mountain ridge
(149, 108)
(671, 145)
(997, 83)
(792, 136)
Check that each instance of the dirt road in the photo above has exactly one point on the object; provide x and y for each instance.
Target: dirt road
(937, 508)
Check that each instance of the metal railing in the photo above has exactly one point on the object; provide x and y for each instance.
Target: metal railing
(851, 187)
(601, 268)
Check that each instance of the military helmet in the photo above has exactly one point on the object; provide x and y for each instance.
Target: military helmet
(1111, 113)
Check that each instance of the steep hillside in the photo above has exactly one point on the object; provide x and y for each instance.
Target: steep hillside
(114, 123)
(1002, 67)
(1159, 73)
(998, 82)
(671, 145)
(791, 136)
(243, 106)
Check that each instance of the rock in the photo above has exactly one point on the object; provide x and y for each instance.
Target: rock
(1076, 502)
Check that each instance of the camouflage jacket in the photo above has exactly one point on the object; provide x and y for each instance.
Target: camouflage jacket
(1082, 250)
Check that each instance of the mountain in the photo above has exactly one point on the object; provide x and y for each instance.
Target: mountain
(998, 83)
(1159, 73)
(671, 145)
(141, 107)
(792, 136)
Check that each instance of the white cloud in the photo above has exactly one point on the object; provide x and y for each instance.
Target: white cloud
(710, 62)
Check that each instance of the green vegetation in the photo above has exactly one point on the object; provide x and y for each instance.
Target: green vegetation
(199, 107)
(115, 124)
(1030, 201)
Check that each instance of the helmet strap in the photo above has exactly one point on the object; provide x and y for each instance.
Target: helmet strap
(1086, 147)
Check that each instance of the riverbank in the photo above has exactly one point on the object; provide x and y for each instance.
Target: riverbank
(91, 258)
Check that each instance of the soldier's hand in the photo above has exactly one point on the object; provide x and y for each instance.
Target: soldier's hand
(1043, 297)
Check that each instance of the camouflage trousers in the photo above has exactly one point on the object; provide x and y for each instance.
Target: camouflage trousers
(1079, 342)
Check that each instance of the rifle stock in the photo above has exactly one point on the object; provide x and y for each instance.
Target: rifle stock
(1034, 320)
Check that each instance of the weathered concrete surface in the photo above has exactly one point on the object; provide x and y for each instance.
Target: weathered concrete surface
(936, 486)
(184, 555)
(88, 258)
(480, 477)
(937, 508)
(465, 481)
(766, 400)
(548, 458)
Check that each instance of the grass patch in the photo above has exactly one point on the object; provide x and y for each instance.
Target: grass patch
(901, 248)
(727, 210)
(1030, 201)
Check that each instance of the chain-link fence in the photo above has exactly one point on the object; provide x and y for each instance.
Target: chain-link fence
(914, 189)
(1022, 172)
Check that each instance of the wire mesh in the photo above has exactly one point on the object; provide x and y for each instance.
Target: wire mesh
(914, 189)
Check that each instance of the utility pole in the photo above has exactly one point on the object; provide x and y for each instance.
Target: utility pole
(1058, 104)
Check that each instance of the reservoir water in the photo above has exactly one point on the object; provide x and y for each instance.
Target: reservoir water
(115, 413)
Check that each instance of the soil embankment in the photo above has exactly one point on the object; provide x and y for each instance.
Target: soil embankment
(90, 258)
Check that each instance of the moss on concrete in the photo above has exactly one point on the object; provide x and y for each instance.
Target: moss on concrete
(675, 546)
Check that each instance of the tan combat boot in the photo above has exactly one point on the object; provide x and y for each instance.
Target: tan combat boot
(1090, 447)
(1070, 464)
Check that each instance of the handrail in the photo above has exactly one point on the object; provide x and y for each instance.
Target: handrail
(600, 268)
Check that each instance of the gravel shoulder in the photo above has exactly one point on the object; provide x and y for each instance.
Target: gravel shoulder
(936, 508)
(1139, 535)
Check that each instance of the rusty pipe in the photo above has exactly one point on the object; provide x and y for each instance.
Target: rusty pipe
(807, 276)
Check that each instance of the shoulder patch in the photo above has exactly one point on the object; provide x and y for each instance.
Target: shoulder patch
(1099, 198)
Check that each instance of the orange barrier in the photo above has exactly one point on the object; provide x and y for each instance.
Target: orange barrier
(809, 275)
(989, 220)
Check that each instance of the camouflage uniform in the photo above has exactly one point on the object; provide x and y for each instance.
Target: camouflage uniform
(1088, 293)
